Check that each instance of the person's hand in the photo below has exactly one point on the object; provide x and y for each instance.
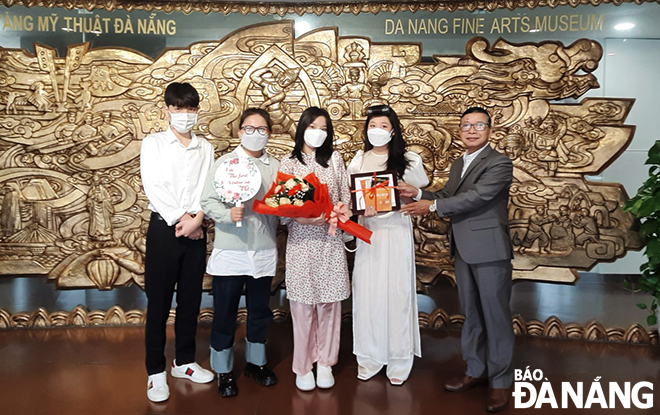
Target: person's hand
(407, 190)
(312, 221)
(236, 213)
(185, 228)
(187, 225)
(186, 216)
(370, 211)
(197, 234)
(417, 208)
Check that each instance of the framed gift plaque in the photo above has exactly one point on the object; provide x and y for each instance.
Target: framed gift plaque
(377, 189)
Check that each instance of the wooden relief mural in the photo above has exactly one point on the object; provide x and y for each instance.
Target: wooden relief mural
(73, 208)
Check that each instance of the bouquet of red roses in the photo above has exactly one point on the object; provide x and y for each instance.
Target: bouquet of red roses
(294, 197)
(294, 191)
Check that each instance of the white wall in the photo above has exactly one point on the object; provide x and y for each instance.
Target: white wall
(631, 68)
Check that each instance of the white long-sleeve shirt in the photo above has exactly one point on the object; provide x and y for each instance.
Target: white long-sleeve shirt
(173, 175)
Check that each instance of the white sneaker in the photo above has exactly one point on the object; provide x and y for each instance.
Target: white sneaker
(192, 371)
(157, 390)
(306, 382)
(324, 378)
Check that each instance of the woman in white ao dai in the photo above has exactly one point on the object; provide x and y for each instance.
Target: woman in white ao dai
(385, 320)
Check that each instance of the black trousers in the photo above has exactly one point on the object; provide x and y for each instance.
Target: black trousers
(226, 296)
(171, 262)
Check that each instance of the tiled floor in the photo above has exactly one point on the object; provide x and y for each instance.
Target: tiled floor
(100, 371)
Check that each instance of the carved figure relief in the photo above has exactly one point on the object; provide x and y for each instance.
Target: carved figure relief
(71, 128)
(100, 210)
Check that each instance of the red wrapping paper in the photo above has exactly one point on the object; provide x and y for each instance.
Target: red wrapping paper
(311, 208)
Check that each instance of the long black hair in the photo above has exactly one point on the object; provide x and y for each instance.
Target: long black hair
(324, 152)
(396, 157)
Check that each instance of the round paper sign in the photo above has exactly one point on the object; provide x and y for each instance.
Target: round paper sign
(237, 180)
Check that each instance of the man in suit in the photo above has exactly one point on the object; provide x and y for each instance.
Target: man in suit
(475, 199)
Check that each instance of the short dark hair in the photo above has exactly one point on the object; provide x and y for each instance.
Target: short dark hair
(182, 95)
(396, 150)
(256, 111)
(478, 110)
(324, 152)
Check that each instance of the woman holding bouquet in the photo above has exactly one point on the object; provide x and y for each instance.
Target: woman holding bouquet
(243, 256)
(385, 322)
(316, 270)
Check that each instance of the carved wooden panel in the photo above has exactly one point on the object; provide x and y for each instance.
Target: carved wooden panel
(438, 319)
(73, 208)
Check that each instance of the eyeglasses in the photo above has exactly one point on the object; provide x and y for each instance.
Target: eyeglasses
(480, 126)
(250, 129)
(379, 110)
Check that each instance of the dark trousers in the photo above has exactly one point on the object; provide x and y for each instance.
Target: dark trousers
(171, 262)
(487, 338)
(226, 296)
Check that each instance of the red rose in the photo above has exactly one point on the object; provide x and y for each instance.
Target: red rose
(295, 189)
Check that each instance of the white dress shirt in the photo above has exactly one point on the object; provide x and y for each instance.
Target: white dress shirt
(257, 264)
(173, 175)
(240, 151)
(469, 158)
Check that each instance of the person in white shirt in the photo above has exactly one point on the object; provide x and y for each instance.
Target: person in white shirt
(385, 316)
(173, 166)
(244, 256)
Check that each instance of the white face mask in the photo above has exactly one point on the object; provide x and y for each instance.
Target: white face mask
(183, 122)
(315, 137)
(255, 141)
(378, 137)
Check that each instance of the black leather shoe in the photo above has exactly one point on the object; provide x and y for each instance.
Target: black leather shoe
(263, 375)
(227, 385)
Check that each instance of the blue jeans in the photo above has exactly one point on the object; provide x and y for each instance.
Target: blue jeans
(227, 293)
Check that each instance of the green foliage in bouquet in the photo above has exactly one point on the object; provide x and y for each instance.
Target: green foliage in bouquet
(645, 206)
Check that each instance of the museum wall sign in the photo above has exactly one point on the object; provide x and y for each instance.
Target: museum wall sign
(80, 89)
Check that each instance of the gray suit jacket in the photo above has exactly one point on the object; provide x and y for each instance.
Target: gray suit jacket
(477, 207)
